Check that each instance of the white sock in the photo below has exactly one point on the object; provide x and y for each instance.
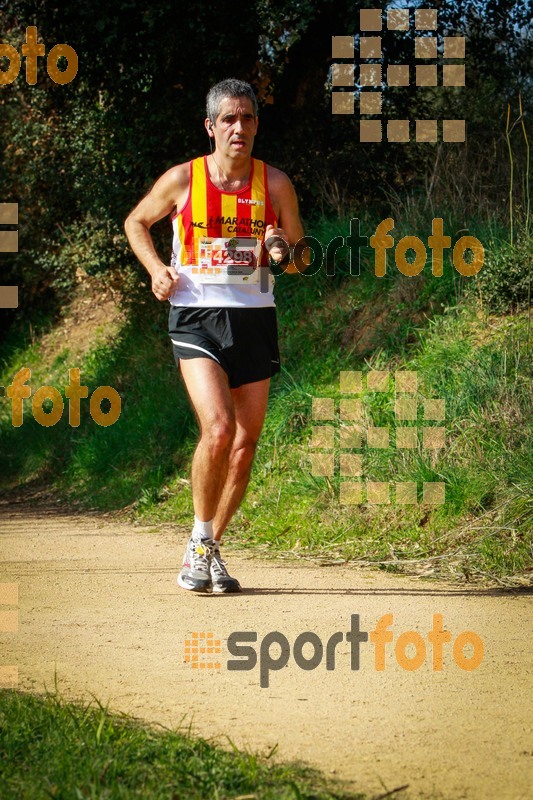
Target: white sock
(202, 530)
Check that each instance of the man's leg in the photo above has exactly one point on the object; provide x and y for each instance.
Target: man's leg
(208, 388)
(211, 398)
(250, 402)
(230, 424)
(250, 405)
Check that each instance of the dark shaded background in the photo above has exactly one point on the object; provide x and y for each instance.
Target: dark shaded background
(77, 157)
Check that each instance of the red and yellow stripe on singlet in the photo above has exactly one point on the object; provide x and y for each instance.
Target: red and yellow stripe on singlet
(209, 211)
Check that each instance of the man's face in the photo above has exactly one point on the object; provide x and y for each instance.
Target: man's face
(235, 127)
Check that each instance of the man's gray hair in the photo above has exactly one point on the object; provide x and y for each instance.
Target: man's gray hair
(231, 87)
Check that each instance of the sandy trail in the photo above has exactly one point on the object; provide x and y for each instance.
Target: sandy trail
(98, 604)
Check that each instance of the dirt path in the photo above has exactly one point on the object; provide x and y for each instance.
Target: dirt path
(98, 603)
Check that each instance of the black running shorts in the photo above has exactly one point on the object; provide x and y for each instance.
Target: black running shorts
(244, 341)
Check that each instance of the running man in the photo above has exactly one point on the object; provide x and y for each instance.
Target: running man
(226, 208)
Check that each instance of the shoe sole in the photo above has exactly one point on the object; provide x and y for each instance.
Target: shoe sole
(227, 590)
(207, 589)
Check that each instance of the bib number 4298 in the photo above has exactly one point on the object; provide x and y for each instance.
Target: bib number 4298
(229, 257)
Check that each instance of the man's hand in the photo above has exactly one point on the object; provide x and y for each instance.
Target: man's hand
(277, 243)
(164, 282)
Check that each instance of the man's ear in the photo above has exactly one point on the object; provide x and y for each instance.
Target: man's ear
(209, 128)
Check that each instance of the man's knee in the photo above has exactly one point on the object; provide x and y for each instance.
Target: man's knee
(218, 435)
(242, 455)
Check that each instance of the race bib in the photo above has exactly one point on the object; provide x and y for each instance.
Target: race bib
(228, 260)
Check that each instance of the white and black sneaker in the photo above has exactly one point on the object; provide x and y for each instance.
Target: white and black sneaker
(195, 573)
(222, 582)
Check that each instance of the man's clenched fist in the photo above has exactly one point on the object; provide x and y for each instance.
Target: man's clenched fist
(164, 281)
(276, 242)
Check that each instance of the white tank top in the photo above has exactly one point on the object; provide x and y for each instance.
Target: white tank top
(217, 242)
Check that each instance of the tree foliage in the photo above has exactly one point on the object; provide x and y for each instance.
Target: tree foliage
(77, 157)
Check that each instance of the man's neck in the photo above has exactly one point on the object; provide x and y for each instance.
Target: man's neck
(229, 173)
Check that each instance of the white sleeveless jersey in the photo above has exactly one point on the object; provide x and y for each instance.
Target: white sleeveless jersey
(217, 246)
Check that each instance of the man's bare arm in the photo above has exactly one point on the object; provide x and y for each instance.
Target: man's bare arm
(160, 200)
(290, 226)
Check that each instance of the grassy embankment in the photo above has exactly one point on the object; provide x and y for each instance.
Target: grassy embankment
(458, 335)
(53, 749)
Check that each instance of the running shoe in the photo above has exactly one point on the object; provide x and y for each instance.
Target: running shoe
(222, 581)
(195, 572)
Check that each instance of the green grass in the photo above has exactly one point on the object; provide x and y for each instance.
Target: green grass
(480, 364)
(104, 467)
(53, 749)
(478, 361)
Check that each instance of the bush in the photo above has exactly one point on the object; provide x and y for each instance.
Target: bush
(504, 282)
